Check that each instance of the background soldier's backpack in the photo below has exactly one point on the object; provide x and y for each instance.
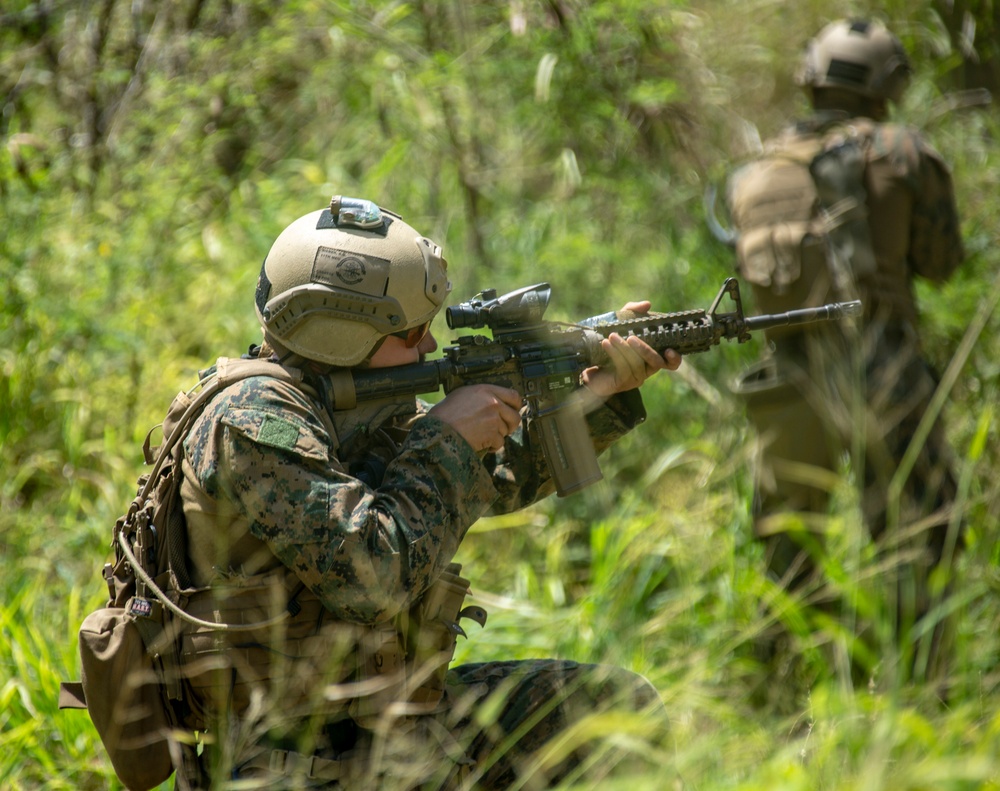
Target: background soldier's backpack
(130, 679)
(802, 239)
(802, 236)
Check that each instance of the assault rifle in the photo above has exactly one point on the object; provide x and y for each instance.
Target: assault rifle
(543, 361)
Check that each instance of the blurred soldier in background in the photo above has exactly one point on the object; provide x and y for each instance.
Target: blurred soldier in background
(348, 520)
(846, 205)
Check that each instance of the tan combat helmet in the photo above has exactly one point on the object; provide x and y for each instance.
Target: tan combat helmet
(337, 281)
(859, 56)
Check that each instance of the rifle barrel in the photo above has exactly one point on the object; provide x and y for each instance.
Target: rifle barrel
(833, 311)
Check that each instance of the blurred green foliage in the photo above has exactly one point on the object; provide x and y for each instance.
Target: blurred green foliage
(151, 151)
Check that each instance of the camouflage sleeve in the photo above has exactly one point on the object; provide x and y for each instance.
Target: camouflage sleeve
(935, 248)
(367, 553)
(519, 472)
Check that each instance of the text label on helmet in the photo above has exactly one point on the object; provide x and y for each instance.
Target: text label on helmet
(366, 274)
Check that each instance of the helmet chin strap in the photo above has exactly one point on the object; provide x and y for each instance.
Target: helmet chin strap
(375, 348)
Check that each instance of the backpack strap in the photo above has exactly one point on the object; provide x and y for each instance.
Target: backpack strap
(227, 372)
(838, 171)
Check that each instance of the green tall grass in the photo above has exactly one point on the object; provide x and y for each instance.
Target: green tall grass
(566, 142)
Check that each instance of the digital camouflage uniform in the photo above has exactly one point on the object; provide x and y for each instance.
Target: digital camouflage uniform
(826, 391)
(353, 515)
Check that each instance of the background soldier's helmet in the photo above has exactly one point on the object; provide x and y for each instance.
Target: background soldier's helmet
(860, 56)
(337, 281)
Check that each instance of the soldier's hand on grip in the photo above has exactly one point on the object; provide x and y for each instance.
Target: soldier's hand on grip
(485, 415)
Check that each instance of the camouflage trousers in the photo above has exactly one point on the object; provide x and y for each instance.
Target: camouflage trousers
(809, 428)
(535, 724)
(815, 418)
(529, 724)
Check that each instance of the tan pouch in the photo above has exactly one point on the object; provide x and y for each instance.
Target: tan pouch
(124, 698)
(776, 256)
(434, 631)
(403, 664)
(381, 677)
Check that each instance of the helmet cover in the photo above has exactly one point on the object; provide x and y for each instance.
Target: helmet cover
(338, 280)
(857, 55)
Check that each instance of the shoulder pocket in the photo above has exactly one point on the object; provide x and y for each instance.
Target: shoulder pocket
(283, 431)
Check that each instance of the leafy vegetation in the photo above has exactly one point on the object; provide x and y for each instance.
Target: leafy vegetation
(152, 151)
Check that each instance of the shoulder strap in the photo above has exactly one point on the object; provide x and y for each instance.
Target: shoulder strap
(230, 370)
(838, 171)
(227, 372)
